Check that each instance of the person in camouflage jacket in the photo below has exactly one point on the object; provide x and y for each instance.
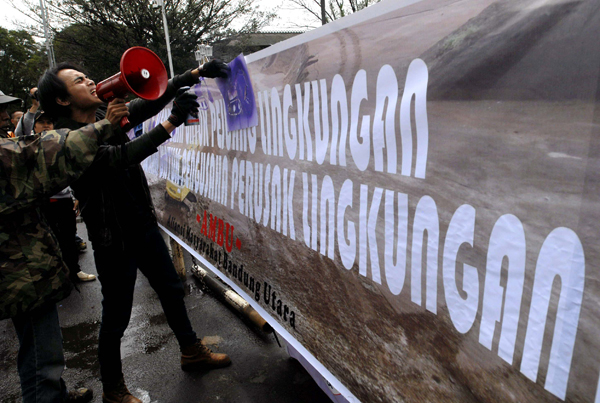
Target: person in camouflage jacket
(33, 276)
(32, 168)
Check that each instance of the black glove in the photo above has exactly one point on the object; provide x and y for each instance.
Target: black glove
(184, 104)
(215, 68)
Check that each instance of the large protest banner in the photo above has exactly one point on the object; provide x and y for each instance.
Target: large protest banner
(418, 209)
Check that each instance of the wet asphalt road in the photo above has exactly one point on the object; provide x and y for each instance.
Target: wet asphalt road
(261, 370)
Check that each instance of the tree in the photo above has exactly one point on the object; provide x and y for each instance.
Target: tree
(81, 45)
(95, 33)
(22, 63)
(332, 9)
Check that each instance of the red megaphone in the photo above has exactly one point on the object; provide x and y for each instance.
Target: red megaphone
(142, 73)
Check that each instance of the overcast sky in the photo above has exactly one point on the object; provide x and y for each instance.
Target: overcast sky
(288, 15)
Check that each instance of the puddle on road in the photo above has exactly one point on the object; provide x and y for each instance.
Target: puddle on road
(144, 334)
(260, 378)
(154, 344)
(80, 343)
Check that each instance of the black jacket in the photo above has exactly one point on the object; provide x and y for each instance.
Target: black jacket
(113, 194)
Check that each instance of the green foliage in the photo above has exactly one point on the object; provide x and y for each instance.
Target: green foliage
(99, 31)
(22, 64)
(89, 48)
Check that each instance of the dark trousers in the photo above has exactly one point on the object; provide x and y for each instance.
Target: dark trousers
(40, 360)
(61, 218)
(117, 270)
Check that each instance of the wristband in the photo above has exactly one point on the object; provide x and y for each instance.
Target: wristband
(174, 120)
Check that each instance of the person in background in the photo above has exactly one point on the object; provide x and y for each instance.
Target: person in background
(14, 118)
(5, 124)
(24, 127)
(61, 212)
(42, 122)
(32, 274)
(80, 244)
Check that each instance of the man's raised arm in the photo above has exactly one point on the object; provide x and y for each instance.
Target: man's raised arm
(141, 110)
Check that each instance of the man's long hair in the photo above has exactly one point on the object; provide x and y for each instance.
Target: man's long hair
(51, 87)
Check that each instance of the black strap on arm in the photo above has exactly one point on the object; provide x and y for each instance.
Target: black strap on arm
(147, 144)
(133, 152)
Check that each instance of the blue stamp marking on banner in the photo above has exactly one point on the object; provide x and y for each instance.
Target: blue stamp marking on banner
(239, 96)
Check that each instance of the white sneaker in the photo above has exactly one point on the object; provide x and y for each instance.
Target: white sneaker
(85, 277)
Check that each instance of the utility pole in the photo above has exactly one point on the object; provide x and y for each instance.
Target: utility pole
(49, 47)
(164, 16)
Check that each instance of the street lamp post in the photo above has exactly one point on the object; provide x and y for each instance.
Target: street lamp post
(165, 26)
(203, 53)
(49, 47)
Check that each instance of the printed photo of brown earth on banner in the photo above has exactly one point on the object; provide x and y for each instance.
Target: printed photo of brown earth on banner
(417, 211)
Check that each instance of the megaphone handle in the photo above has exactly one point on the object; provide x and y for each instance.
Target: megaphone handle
(125, 123)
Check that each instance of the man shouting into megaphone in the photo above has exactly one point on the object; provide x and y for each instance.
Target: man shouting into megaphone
(117, 209)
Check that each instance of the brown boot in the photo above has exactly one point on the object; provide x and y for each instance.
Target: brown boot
(198, 356)
(81, 395)
(117, 392)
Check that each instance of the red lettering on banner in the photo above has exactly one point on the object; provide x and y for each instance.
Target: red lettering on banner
(204, 229)
(218, 231)
(212, 231)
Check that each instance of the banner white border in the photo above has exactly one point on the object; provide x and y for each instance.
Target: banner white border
(366, 14)
(289, 339)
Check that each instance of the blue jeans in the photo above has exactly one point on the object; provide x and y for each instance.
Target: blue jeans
(117, 270)
(40, 360)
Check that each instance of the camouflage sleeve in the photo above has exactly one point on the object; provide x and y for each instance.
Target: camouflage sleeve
(38, 166)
